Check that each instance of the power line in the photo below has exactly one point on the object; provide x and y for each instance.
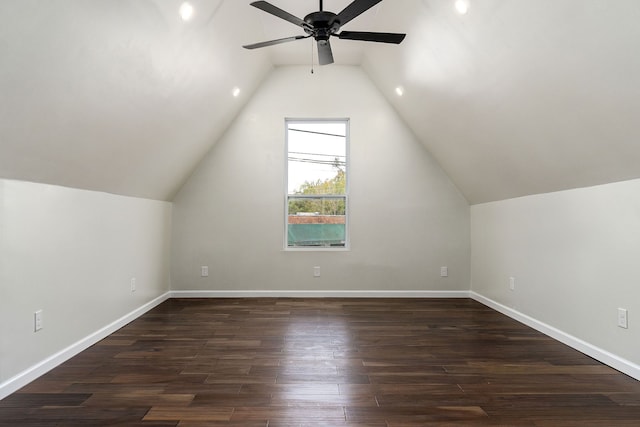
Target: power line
(317, 133)
(317, 161)
(316, 154)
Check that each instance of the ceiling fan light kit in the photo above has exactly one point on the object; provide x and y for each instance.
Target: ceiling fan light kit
(321, 25)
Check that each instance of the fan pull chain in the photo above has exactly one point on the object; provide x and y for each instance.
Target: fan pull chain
(312, 55)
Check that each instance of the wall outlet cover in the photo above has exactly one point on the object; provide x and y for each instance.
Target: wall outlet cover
(623, 320)
(37, 321)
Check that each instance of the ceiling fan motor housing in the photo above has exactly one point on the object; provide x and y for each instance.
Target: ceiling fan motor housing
(322, 24)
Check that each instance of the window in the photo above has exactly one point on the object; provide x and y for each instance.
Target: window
(317, 190)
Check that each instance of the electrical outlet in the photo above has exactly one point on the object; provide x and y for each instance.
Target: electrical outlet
(316, 271)
(512, 283)
(37, 321)
(444, 271)
(204, 271)
(133, 284)
(623, 320)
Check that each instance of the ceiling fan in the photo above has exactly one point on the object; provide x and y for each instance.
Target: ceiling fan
(322, 25)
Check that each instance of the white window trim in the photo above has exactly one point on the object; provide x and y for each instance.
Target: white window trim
(347, 242)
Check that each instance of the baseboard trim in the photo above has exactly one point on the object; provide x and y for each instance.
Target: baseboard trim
(319, 294)
(623, 365)
(25, 377)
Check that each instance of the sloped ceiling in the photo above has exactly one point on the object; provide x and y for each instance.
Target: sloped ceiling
(520, 97)
(119, 96)
(516, 97)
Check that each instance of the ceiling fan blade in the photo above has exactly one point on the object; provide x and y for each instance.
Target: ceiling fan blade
(274, 42)
(355, 9)
(276, 11)
(325, 56)
(394, 38)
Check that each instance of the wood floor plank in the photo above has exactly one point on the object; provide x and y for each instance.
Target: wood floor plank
(269, 362)
(179, 413)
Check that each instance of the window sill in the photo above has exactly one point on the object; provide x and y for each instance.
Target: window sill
(345, 249)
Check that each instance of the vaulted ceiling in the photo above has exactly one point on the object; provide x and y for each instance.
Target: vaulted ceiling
(515, 97)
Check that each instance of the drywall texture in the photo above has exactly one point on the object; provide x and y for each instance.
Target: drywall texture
(71, 253)
(406, 217)
(574, 256)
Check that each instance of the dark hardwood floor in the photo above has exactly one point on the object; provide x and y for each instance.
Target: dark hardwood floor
(327, 362)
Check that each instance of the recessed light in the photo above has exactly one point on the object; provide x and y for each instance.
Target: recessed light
(186, 11)
(399, 91)
(462, 6)
(235, 92)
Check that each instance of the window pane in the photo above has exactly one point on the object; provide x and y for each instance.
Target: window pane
(316, 157)
(316, 222)
(319, 206)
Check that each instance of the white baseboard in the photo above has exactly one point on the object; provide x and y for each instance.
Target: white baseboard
(25, 377)
(319, 294)
(610, 359)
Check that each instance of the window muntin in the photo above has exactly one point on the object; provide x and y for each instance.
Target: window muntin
(317, 170)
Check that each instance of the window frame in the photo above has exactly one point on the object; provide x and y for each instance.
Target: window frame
(288, 197)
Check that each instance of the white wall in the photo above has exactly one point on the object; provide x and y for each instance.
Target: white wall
(575, 256)
(406, 217)
(72, 253)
